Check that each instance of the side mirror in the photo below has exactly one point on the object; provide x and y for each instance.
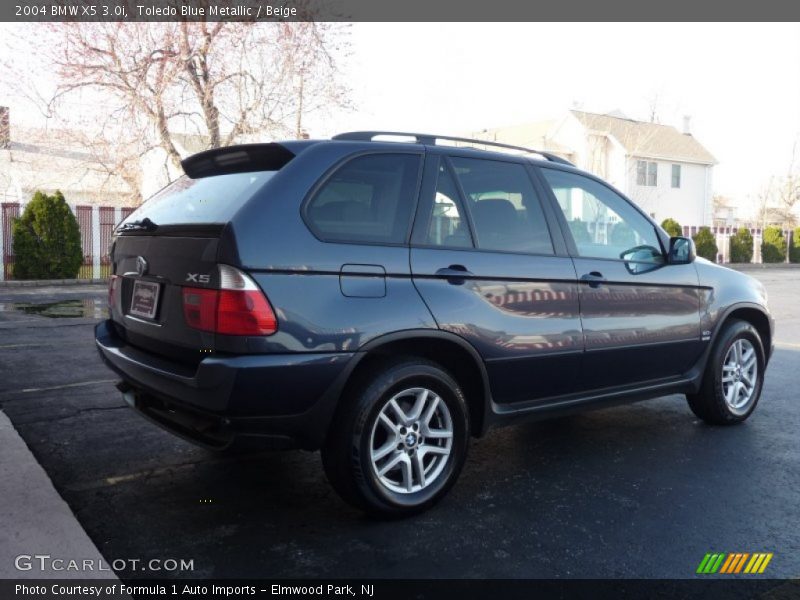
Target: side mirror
(681, 251)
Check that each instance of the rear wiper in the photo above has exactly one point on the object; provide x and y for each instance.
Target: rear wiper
(145, 224)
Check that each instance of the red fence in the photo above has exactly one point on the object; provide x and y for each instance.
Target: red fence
(10, 211)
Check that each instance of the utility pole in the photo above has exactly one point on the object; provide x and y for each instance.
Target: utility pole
(299, 124)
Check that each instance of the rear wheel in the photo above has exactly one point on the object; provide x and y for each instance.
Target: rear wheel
(399, 441)
(734, 375)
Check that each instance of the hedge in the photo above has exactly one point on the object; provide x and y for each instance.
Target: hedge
(773, 246)
(672, 227)
(47, 240)
(742, 246)
(706, 244)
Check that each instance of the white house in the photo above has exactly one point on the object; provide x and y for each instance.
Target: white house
(666, 172)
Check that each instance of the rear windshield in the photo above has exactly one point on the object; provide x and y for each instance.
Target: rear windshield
(206, 200)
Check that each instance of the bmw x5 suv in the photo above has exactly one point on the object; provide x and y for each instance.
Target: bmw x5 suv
(386, 299)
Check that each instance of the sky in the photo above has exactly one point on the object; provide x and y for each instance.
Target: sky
(740, 83)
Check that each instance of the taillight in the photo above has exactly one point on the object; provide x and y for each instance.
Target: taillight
(200, 308)
(113, 283)
(237, 308)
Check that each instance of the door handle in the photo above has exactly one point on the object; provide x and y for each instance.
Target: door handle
(595, 279)
(454, 274)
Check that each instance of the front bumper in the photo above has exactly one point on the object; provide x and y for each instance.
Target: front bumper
(274, 400)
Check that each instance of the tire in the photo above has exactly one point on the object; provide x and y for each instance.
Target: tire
(368, 433)
(732, 382)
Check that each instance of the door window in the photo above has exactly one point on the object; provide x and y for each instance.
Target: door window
(602, 223)
(503, 205)
(447, 226)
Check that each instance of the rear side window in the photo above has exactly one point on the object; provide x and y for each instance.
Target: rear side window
(212, 199)
(368, 199)
(504, 207)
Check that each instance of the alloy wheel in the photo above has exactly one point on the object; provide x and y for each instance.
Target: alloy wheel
(739, 375)
(411, 440)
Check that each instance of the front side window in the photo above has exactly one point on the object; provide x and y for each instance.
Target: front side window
(602, 223)
(503, 205)
(368, 199)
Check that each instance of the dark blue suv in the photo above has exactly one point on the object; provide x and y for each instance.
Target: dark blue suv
(384, 300)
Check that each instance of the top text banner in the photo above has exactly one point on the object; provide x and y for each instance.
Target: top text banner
(396, 10)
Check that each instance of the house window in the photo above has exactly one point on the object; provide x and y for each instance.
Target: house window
(646, 173)
(676, 176)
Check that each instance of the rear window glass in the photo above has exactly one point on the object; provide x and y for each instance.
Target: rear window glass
(369, 199)
(205, 200)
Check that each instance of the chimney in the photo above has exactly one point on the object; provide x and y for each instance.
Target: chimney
(687, 125)
(5, 128)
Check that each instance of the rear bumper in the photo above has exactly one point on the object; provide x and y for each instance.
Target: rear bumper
(274, 400)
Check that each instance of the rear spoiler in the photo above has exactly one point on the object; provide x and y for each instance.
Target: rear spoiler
(237, 159)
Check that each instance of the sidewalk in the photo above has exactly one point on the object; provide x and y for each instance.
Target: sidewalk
(17, 283)
(34, 520)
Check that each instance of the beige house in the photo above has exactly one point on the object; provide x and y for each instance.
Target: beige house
(665, 171)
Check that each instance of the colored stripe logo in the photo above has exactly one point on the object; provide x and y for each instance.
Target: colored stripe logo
(734, 563)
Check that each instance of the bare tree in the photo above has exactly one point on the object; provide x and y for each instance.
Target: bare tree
(221, 81)
(126, 89)
(654, 100)
(779, 199)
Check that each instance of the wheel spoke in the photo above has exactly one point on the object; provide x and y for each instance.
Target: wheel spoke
(419, 405)
(389, 424)
(438, 433)
(426, 418)
(747, 356)
(730, 393)
(738, 395)
(728, 379)
(398, 411)
(426, 449)
(405, 467)
(391, 464)
(419, 468)
(737, 351)
(385, 450)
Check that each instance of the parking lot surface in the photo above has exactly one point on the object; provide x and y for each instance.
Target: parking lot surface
(644, 490)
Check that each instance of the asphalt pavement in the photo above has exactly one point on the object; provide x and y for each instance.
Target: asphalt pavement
(644, 490)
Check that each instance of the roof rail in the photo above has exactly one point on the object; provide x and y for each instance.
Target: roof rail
(430, 139)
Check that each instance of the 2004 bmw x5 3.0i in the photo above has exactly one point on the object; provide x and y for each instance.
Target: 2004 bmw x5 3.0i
(385, 300)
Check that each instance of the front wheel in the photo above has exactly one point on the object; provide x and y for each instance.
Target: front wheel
(400, 440)
(734, 376)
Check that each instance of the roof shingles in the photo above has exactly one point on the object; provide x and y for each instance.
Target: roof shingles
(651, 140)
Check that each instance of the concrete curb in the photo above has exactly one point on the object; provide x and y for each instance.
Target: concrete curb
(13, 283)
(35, 520)
(761, 266)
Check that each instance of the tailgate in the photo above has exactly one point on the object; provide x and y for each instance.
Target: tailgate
(156, 268)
